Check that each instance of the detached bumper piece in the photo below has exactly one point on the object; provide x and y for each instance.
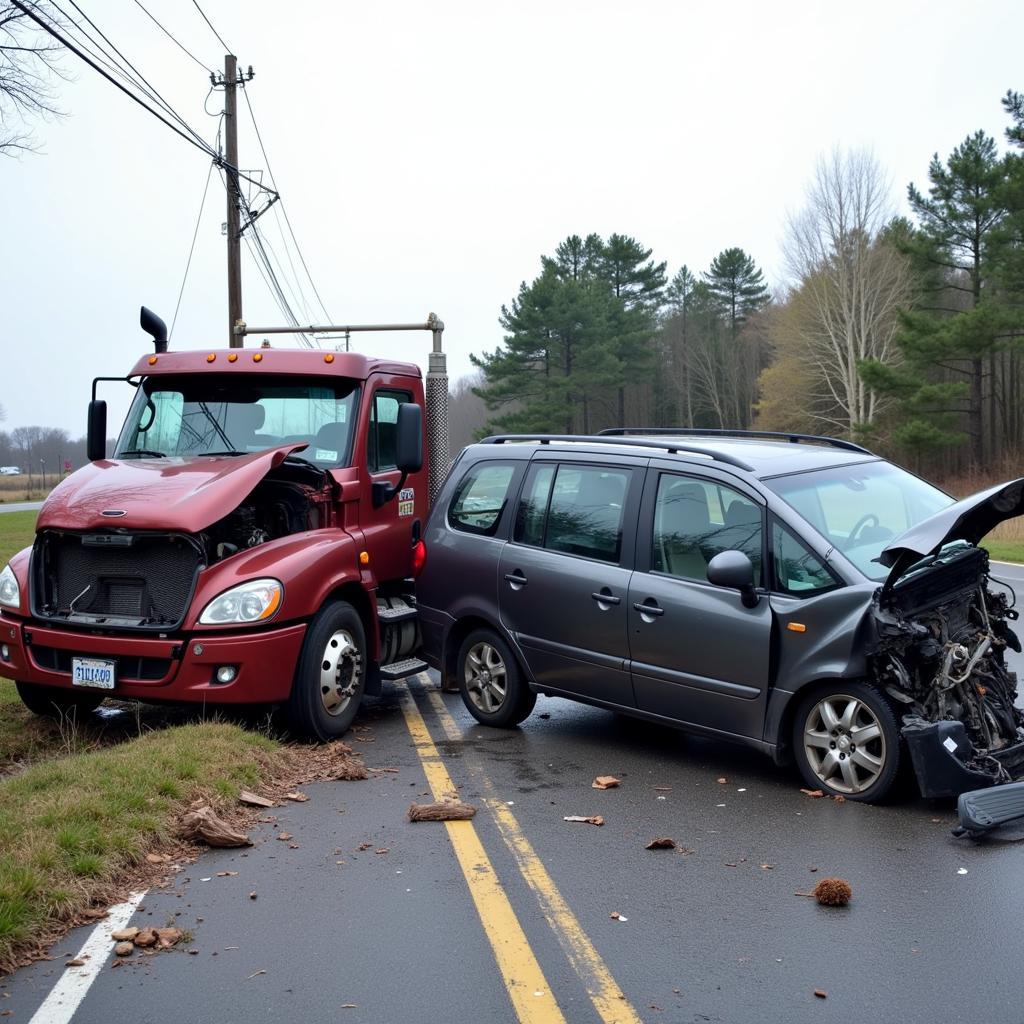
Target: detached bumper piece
(985, 809)
(946, 763)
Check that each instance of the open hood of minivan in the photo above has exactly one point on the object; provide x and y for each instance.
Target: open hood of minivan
(180, 494)
(968, 520)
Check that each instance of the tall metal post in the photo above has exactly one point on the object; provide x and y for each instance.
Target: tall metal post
(437, 410)
(234, 235)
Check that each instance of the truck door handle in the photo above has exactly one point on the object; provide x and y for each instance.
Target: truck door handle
(652, 609)
(516, 580)
(604, 596)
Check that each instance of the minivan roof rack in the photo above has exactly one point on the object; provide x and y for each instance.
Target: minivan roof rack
(777, 435)
(664, 446)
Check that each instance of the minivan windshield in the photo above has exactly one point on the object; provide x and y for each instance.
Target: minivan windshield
(191, 416)
(859, 509)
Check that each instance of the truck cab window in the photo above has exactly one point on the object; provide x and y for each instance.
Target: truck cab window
(381, 447)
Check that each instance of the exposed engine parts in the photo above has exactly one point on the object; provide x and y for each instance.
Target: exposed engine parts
(941, 637)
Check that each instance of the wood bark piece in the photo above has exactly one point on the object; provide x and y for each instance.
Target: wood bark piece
(254, 800)
(587, 819)
(202, 823)
(661, 844)
(604, 782)
(446, 811)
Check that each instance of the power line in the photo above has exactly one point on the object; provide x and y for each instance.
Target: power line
(196, 141)
(172, 39)
(188, 262)
(284, 210)
(227, 49)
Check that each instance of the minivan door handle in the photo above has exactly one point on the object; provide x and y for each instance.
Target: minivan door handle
(516, 580)
(604, 597)
(649, 610)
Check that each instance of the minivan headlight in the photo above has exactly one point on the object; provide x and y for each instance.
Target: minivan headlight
(10, 593)
(255, 601)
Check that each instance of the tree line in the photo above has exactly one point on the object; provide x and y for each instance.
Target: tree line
(906, 333)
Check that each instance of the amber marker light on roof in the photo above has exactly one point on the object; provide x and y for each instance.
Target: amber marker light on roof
(328, 357)
(210, 358)
(233, 358)
(257, 357)
(796, 627)
(152, 360)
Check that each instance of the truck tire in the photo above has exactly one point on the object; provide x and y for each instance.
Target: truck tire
(331, 675)
(490, 681)
(55, 701)
(846, 741)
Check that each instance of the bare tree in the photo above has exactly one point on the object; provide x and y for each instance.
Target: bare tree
(29, 71)
(850, 282)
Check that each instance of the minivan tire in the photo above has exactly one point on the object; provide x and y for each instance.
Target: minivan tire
(330, 677)
(492, 685)
(56, 702)
(846, 741)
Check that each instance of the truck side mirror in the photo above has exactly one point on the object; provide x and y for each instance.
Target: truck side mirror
(96, 432)
(409, 439)
(734, 569)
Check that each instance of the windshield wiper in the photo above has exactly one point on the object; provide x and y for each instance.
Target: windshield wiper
(145, 452)
(234, 451)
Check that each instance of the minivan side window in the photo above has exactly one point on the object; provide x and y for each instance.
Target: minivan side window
(382, 444)
(480, 498)
(797, 571)
(694, 520)
(576, 509)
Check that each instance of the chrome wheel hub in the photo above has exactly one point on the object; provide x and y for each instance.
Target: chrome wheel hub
(486, 678)
(340, 671)
(844, 743)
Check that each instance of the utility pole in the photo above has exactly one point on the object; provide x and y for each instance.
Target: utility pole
(234, 236)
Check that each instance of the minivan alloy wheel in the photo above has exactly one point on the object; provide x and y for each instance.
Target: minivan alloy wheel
(340, 669)
(844, 743)
(486, 677)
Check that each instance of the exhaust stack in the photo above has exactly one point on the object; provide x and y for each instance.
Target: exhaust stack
(155, 327)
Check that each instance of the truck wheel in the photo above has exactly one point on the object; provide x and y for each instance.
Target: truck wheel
(331, 674)
(847, 741)
(491, 684)
(54, 701)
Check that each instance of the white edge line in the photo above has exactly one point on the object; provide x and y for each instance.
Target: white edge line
(66, 996)
(1012, 565)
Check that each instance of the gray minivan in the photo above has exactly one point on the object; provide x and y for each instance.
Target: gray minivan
(797, 594)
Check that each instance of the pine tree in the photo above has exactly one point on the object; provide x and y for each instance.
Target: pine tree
(738, 285)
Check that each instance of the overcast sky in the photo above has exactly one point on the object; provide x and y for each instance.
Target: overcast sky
(428, 153)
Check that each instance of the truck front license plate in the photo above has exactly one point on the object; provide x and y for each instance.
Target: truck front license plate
(93, 672)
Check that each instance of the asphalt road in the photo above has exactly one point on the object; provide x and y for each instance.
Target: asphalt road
(404, 930)
(20, 506)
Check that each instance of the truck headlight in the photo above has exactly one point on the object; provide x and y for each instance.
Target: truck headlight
(254, 601)
(10, 594)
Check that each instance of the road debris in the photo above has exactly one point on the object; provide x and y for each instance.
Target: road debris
(253, 895)
(283, 837)
(661, 844)
(201, 822)
(592, 819)
(147, 937)
(961, 871)
(833, 892)
(663, 789)
(723, 781)
(158, 858)
(255, 974)
(616, 916)
(226, 874)
(446, 810)
(604, 782)
(254, 800)
(816, 793)
(299, 798)
(76, 962)
(821, 993)
(124, 934)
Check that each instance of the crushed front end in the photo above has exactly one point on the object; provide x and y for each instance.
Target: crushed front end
(941, 634)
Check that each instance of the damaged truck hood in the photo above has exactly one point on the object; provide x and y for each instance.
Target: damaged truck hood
(181, 494)
(968, 520)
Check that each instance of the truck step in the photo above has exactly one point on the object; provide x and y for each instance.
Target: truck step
(401, 669)
(983, 809)
(395, 610)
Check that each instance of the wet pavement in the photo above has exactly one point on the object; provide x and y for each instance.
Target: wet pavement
(714, 932)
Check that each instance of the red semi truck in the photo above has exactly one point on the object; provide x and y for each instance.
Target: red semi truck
(252, 539)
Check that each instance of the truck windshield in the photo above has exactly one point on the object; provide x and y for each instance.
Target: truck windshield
(225, 416)
(859, 509)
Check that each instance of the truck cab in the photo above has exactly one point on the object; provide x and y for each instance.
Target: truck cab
(251, 540)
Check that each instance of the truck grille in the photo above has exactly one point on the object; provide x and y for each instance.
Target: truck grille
(114, 579)
(129, 668)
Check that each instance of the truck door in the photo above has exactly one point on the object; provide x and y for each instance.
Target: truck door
(698, 655)
(563, 579)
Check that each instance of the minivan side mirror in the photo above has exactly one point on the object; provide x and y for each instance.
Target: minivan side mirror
(734, 569)
(96, 431)
(409, 438)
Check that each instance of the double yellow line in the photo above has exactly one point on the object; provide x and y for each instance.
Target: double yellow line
(522, 975)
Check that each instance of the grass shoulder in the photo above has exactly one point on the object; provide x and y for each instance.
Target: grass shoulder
(76, 827)
(1005, 550)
